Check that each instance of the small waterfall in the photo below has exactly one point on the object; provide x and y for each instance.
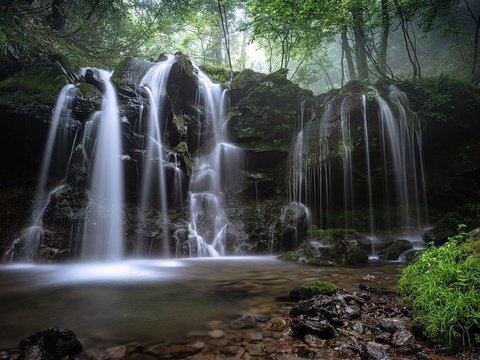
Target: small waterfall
(347, 165)
(323, 177)
(401, 141)
(57, 147)
(368, 169)
(297, 166)
(153, 176)
(212, 173)
(103, 230)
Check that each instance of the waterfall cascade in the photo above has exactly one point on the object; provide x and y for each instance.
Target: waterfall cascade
(398, 139)
(212, 173)
(103, 237)
(363, 156)
(57, 147)
(153, 175)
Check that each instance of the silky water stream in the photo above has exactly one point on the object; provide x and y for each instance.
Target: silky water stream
(157, 301)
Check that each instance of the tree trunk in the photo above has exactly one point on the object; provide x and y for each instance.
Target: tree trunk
(382, 56)
(223, 17)
(243, 51)
(360, 45)
(475, 50)
(409, 44)
(58, 19)
(348, 55)
(476, 20)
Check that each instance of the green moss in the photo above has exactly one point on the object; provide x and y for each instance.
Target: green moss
(36, 88)
(291, 256)
(329, 235)
(320, 287)
(182, 150)
(442, 287)
(218, 73)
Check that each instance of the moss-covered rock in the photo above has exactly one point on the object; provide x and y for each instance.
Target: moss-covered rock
(312, 288)
(218, 73)
(33, 91)
(291, 256)
(265, 117)
(395, 249)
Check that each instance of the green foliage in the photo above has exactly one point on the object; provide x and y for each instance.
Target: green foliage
(443, 289)
(445, 99)
(291, 256)
(319, 287)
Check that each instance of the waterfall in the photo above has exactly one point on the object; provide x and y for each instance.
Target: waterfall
(324, 166)
(57, 146)
(347, 165)
(297, 166)
(103, 237)
(211, 175)
(154, 83)
(401, 141)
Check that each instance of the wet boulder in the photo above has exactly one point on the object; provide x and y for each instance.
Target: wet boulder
(50, 344)
(395, 249)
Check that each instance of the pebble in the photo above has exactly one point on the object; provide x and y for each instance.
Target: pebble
(216, 334)
(256, 336)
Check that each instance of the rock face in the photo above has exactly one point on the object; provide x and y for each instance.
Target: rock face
(267, 112)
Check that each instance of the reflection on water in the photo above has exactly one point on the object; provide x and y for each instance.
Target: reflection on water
(155, 301)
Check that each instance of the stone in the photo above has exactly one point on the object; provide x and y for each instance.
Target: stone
(247, 321)
(178, 350)
(353, 312)
(254, 349)
(313, 341)
(216, 334)
(358, 327)
(373, 351)
(53, 343)
(320, 328)
(229, 350)
(402, 338)
(256, 336)
(422, 356)
(391, 324)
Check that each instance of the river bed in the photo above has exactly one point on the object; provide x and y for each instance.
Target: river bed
(158, 301)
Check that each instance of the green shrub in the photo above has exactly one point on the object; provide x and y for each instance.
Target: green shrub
(443, 289)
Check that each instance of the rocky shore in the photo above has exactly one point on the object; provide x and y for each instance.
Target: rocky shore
(368, 324)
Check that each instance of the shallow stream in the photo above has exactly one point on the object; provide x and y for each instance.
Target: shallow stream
(157, 301)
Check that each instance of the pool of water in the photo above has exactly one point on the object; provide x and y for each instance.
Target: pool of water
(156, 301)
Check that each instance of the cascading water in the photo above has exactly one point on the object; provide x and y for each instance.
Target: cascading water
(103, 237)
(347, 165)
(367, 162)
(313, 167)
(59, 139)
(154, 83)
(401, 141)
(212, 173)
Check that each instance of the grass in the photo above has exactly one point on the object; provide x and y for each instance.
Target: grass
(442, 287)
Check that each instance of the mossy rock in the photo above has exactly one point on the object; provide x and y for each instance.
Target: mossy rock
(291, 256)
(314, 261)
(218, 73)
(395, 249)
(313, 288)
(33, 91)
